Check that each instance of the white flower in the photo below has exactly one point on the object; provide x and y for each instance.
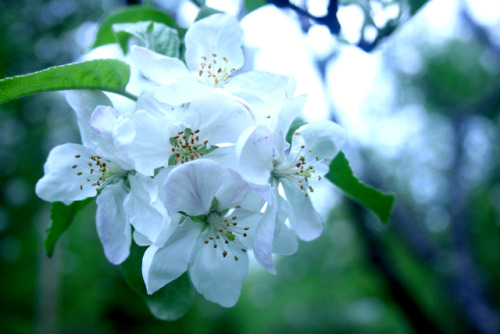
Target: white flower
(216, 217)
(213, 53)
(74, 172)
(162, 136)
(265, 160)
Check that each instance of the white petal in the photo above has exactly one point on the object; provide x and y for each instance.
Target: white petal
(149, 103)
(307, 224)
(218, 34)
(291, 109)
(192, 187)
(217, 278)
(103, 121)
(162, 265)
(145, 211)
(156, 67)
(181, 91)
(112, 224)
(263, 242)
(144, 139)
(141, 239)
(283, 119)
(285, 241)
(84, 102)
(232, 191)
(221, 118)
(265, 92)
(324, 139)
(254, 152)
(61, 182)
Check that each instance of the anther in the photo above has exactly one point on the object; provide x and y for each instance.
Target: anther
(81, 186)
(233, 217)
(243, 250)
(215, 245)
(244, 235)
(79, 173)
(74, 166)
(246, 228)
(214, 55)
(237, 206)
(235, 258)
(311, 189)
(206, 241)
(224, 253)
(77, 156)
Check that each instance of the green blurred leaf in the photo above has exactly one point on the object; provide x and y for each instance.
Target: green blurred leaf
(343, 177)
(104, 74)
(61, 217)
(128, 15)
(251, 5)
(206, 12)
(170, 302)
(155, 36)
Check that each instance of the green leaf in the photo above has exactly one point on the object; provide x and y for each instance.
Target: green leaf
(153, 35)
(170, 302)
(104, 74)
(61, 217)
(206, 12)
(251, 5)
(343, 177)
(130, 14)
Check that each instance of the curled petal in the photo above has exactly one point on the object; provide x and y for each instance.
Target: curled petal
(307, 222)
(161, 265)
(112, 223)
(84, 102)
(254, 152)
(156, 67)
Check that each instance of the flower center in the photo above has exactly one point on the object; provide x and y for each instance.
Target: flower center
(215, 70)
(223, 230)
(297, 170)
(97, 172)
(187, 146)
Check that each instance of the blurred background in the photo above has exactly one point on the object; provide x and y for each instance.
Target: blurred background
(416, 85)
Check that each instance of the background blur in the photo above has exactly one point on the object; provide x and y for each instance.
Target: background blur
(417, 87)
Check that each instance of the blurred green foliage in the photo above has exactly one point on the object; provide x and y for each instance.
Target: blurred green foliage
(345, 282)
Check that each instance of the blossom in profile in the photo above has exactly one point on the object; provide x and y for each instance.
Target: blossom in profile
(270, 164)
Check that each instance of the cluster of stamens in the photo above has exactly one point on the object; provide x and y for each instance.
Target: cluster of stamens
(300, 172)
(224, 231)
(186, 146)
(97, 169)
(215, 69)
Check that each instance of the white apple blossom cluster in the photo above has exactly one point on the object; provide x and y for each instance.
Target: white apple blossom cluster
(200, 172)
